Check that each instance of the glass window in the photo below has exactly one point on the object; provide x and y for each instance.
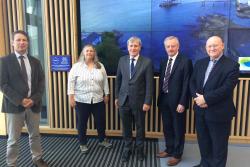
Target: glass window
(34, 27)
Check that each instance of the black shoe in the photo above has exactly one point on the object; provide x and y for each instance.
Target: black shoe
(125, 156)
(40, 163)
(199, 165)
(140, 155)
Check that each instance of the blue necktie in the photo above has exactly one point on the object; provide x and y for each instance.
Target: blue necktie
(167, 76)
(132, 66)
(209, 71)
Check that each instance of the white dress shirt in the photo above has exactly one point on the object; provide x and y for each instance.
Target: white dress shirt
(88, 86)
(173, 60)
(28, 69)
(135, 59)
(210, 67)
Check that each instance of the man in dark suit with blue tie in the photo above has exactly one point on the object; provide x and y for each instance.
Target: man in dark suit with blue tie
(22, 85)
(133, 95)
(173, 100)
(212, 84)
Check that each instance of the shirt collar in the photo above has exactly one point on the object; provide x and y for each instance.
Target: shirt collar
(136, 57)
(173, 57)
(217, 59)
(18, 54)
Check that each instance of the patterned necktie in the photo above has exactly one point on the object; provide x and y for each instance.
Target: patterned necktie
(23, 69)
(167, 76)
(209, 71)
(132, 66)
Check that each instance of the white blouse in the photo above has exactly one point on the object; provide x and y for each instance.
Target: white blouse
(87, 85)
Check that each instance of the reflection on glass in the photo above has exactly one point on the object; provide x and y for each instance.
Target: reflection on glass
(35, 30)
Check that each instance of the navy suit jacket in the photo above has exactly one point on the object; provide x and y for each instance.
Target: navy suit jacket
(178, 83)
(139, 87)
(218, 90)
(13, 85)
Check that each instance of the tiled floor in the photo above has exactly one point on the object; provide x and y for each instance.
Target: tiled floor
(238, 155)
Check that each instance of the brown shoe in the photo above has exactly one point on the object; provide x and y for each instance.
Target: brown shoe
(173, 161)
(162, 154)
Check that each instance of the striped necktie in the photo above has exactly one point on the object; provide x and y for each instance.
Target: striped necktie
(167, 76)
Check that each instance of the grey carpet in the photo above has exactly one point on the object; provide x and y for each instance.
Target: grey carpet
(60, 151)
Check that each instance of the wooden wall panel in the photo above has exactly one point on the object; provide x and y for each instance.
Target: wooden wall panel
(61, 38)
(15, 18)
(4, 49)
(240, 124)
(11, 19)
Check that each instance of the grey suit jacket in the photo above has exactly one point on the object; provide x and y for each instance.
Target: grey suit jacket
(15, 89)
(139, 87)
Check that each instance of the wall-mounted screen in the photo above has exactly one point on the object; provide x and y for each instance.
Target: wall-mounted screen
(239, 47)
(108, 25)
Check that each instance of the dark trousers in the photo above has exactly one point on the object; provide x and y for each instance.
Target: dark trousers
(174, 124)
(213, 141)
(128, 114)
(83, 111)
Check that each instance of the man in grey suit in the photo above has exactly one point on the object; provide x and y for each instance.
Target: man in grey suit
(133, 93)
(22, 85)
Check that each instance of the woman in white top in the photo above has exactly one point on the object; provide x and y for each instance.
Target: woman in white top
(89, 91)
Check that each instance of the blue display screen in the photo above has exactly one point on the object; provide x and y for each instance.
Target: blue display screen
(108, 25)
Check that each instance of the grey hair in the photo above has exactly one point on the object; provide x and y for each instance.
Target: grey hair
(96, 60)
(133, 39)
(170, 38)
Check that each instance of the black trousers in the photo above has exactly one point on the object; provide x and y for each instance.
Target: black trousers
(174, 124)
(128, 114)
(213, 141)
(83, 111)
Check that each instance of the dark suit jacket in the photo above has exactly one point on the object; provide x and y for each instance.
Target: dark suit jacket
(218, 90)
(139, 87)
(178, 83)
(14, 87)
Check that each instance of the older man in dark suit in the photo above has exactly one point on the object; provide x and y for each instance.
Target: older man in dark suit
(22, 84)
(212, 84)
(133, 93)
(173, 100)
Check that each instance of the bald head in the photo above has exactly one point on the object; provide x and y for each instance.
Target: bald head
(214, 47)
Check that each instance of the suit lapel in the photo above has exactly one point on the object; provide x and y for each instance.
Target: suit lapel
(215, 68)
(32, 68)
(203, 70)
(127, 66)
(16, 64)
(176, 63)
(164, 67)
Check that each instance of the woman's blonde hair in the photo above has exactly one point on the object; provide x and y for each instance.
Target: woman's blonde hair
(96, 60)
